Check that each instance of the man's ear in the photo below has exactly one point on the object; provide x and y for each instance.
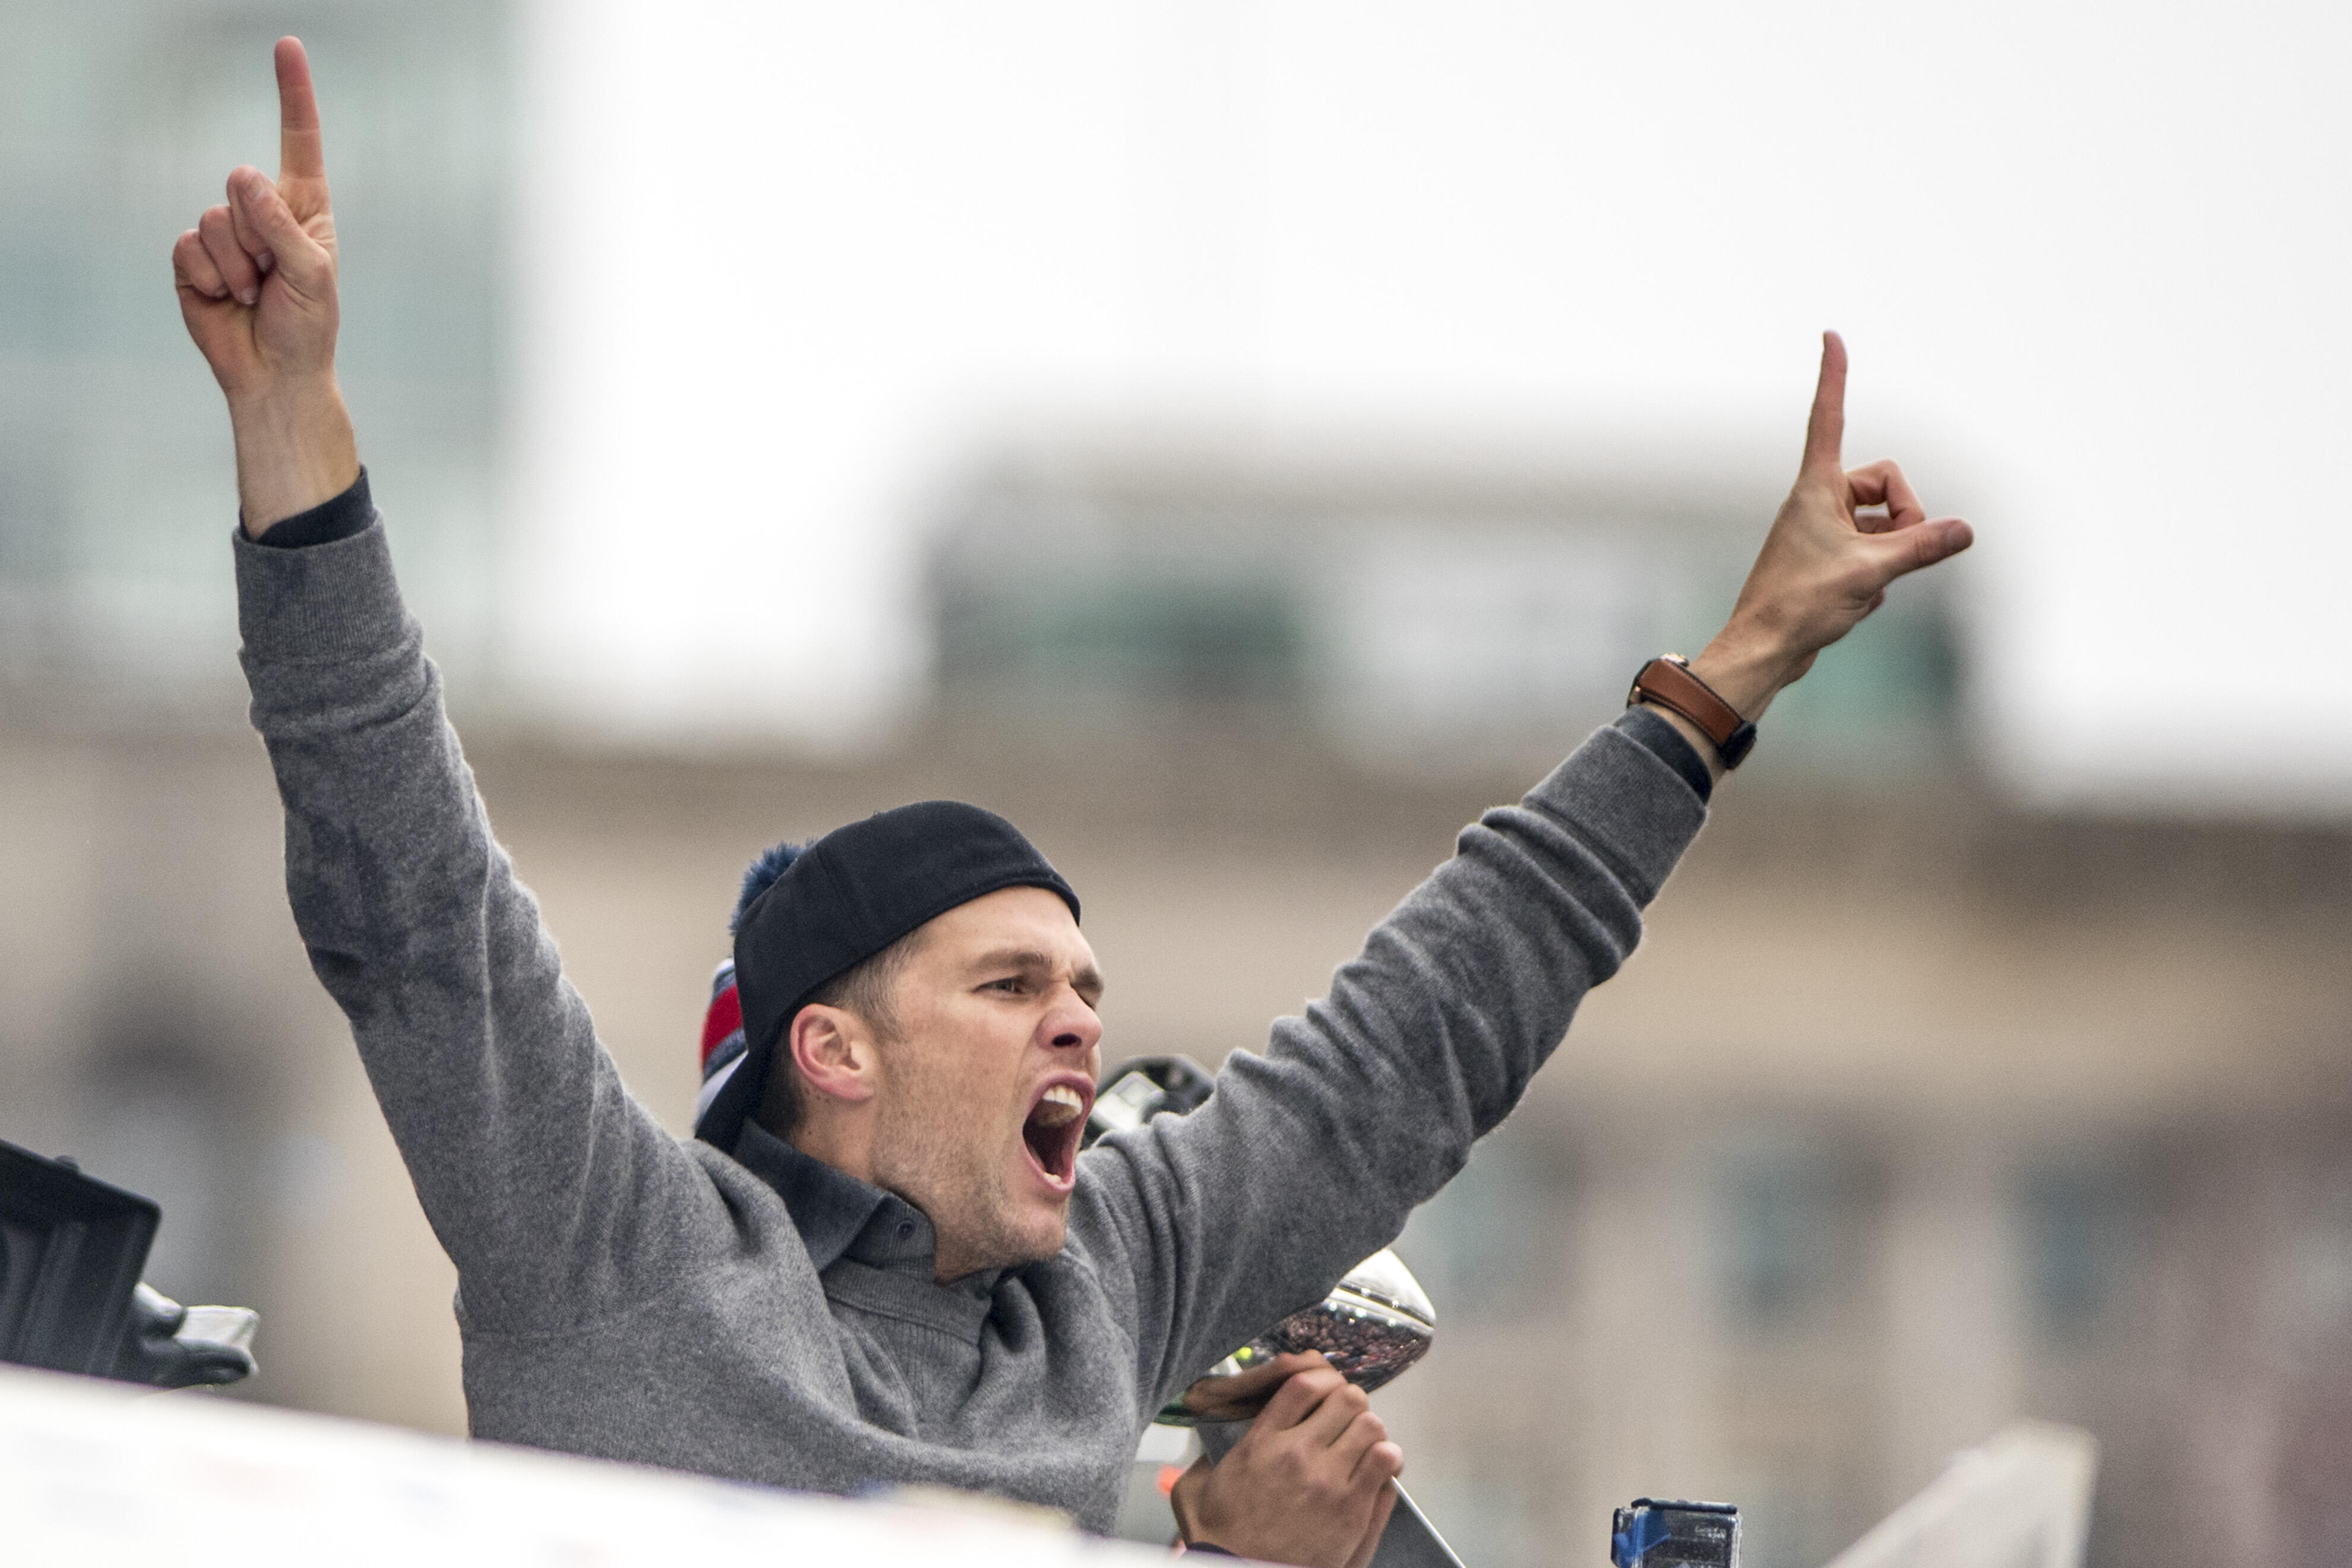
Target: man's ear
(834, 1053)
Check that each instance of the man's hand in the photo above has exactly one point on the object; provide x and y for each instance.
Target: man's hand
(1307, 1484)
(1826, 564)
(1240, 1397)
(257, 285)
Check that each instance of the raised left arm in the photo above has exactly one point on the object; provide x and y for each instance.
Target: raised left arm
(1311, 1156)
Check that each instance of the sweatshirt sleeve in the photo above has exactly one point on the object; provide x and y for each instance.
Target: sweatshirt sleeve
(1310, 1156)
(549, 1185)
(337, 517)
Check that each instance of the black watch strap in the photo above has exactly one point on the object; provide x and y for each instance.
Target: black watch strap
(1656, 734)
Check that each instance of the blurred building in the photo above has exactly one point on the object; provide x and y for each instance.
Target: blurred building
(1915, 1113)
(1415, 615)
(119, 120)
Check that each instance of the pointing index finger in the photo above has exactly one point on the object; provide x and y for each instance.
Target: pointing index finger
(1825, 430)
(301, 152)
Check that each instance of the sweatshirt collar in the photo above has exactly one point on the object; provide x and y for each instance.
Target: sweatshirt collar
(832, 1209)
(840, 1217)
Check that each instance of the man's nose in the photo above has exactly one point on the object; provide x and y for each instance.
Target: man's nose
(1070, 1024)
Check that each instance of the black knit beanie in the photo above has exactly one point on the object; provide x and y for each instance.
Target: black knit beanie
(832, 904)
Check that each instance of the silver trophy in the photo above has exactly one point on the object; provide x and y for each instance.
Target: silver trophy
(1376, 1322)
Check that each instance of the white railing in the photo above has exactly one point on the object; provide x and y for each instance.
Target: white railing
(97, 1474)
(2021, 1500)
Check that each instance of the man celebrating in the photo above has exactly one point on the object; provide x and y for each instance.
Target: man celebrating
(881, 1259)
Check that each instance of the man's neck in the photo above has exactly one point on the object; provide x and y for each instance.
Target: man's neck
(846, 1146)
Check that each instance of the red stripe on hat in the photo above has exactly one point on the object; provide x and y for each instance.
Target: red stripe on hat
(726, 1016)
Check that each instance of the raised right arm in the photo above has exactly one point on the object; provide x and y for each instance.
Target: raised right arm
(257, 284)
(552, 1190)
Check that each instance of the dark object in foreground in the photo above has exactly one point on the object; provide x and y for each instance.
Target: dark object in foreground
(1655, 1535)
(71, 1249)
(172, 1346)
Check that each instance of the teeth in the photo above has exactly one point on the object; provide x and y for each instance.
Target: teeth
(1060, 1106)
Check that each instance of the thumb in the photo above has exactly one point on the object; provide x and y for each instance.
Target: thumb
(1906, 550)
(306, 265)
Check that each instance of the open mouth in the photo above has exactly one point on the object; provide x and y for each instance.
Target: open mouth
(1053, 1129)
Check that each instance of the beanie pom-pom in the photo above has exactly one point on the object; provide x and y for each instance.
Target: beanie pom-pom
(761, 876)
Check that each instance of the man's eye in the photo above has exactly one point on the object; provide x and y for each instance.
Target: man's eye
(1010, 983)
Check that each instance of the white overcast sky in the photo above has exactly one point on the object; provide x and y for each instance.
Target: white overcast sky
(785, 264)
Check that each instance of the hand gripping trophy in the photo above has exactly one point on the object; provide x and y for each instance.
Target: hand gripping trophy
(1376, 1322)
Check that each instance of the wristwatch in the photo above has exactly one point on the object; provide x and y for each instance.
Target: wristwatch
(1667, 682)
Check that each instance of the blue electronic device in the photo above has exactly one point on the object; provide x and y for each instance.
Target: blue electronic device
(1652, 1533)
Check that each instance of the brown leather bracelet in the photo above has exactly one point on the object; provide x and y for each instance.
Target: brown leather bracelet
(1667, 682)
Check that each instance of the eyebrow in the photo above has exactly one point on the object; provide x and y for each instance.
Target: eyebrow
(1086, 982)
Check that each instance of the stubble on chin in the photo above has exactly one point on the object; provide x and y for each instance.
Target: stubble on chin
(995, 1232)
(960, 1186)
(925, 1151)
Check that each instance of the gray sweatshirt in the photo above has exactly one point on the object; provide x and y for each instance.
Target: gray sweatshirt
(626, 1293)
